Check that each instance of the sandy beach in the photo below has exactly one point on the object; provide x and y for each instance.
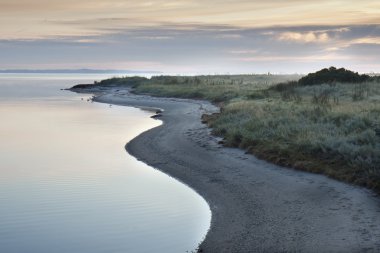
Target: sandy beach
(256, 206)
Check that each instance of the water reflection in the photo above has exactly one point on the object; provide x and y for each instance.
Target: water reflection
(67, 184)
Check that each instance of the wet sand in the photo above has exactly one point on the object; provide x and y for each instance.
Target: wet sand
(256, 206)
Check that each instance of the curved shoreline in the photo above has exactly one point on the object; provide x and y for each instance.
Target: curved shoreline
(256, 206)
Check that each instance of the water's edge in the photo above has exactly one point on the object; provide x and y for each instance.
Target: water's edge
(99, 98)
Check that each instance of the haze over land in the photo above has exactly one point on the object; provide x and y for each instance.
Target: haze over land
(74, 71)
(191, 36)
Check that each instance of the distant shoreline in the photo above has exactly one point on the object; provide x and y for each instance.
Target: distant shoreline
(76, 71)
(256, 206)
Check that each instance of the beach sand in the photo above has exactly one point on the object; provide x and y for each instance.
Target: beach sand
(256, 206)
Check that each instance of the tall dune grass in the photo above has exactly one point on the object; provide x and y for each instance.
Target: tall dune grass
(338, 135)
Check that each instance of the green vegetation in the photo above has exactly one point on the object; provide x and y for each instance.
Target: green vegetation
(116, 81)
(333, 75)
(213, 88)
(326, 122)
(330, 129)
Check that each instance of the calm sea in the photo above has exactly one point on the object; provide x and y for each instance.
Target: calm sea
(68, 185)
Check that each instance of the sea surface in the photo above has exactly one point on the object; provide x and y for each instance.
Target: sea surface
(68, 185)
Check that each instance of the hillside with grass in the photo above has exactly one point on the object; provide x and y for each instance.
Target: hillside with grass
(329, 129)
(326, 122)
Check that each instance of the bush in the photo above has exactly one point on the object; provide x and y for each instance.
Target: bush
(284, 86)
(127, 81)
(333, 75)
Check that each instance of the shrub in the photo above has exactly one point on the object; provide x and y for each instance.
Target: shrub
(127, 81)
(284, 86)
(333, 75)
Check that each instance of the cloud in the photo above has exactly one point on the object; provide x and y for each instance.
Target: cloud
(229, 36)
(155, 37)
(309, 37)
(202, 48)
(246, 51)
(340, 45)
(366, 40)
(99, 16)
(289, 58)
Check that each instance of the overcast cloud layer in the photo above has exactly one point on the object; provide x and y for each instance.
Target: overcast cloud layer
(191, 36)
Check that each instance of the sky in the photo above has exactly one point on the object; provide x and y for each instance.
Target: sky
(191, 36)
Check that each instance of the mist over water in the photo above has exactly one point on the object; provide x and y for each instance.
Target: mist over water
(68, 185)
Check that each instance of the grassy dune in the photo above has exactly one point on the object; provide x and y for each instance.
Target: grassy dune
(331, 128)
